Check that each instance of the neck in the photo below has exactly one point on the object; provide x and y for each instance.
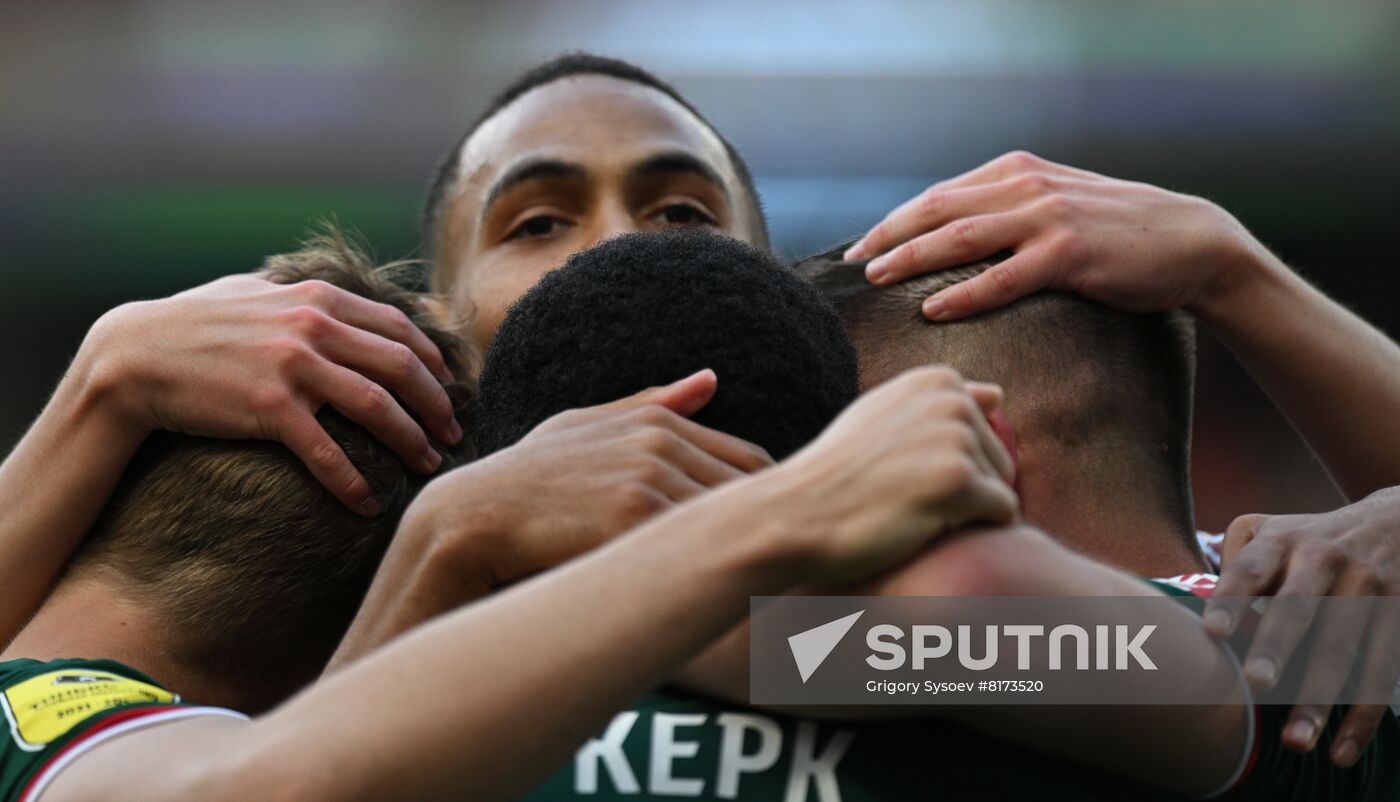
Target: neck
(86, 617)
(1119, 524)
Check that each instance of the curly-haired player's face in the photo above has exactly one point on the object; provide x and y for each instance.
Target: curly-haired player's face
(566, 166)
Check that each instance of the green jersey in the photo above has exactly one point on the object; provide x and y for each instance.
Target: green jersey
(57, 710)
(671, 744)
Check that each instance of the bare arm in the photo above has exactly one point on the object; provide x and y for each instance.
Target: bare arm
(455, 709)
(53, 485)
(576, 481)
(239, 357)
(1142, 248)
(1323, 366)
(1184, 749)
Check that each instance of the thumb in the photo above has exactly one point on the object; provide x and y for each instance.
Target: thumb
(684, 397)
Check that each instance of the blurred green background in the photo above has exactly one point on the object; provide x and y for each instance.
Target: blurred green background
(148, 146)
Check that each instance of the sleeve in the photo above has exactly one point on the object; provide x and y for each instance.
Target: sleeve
(55, 714)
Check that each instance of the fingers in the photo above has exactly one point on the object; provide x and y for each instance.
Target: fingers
(683, 397)
(1377, 682)
(382, 319)
(396, 367)
(1016, 162)
(675, 484)
(1241, 533)
(959, 242)
(739, 453)
(986, 500)
(1288, 616)
(372, 407)
(1357, 731)
(700, 465)
(1253, 572)
(948, 200)
(327, 462)
(1017, 276)
(930, 210)
(1336, 647)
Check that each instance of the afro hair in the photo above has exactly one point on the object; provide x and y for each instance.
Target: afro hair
(648, 309)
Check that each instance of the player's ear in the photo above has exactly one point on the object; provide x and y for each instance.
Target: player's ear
(1002, 428)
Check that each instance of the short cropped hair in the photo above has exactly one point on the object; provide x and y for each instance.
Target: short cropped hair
(1112, 390)
(648, 309)
(570, 65)
(254, 569)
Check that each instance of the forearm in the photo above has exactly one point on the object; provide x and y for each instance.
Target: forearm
(1324, 367)
(54, 484)
(1184, 749)
(579, 643)
(424, 575)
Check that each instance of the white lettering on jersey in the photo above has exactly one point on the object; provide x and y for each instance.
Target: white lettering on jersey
(809, 769)
(608, 751)
(732, 760)
(665, 748)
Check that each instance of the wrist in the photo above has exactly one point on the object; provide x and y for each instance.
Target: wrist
(458, 534)
(1243, 269)
(103, 382)
(779, 531)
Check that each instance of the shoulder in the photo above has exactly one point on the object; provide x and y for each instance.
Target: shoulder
(53, 711)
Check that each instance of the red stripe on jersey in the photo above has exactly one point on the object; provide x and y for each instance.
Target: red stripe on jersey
(105, 724)
(1202, 585)
(1253, 751)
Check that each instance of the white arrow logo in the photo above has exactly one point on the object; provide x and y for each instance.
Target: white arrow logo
(811, 648)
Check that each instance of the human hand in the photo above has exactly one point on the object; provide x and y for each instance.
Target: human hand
(1352, 551)
(583, 477)
(910, 459)
(1125, 244)
(243, 357)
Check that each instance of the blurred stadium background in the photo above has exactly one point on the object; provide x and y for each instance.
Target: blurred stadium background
(150, 145)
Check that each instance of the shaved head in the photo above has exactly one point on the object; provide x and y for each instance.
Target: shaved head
(1101, 397)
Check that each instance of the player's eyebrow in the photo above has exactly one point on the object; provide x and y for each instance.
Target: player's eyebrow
(678, 161)
(527, 170)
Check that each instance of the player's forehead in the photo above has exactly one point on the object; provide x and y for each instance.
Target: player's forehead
(600, 123)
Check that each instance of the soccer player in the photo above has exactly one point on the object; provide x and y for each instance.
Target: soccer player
(572, 152)
(576, 150)
(240, 357)
(1139, 247)
(1079, 431)
(221, 575)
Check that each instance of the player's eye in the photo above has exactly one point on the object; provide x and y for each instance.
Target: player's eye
(683, 214)
(541, 225)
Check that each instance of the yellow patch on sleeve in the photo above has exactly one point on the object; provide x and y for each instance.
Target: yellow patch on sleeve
(42, 709)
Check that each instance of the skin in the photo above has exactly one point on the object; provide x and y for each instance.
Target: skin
(1084, 511)
(240, 357)
(604, 204)
(490, 524)
(843, 508)
(487, 552)
(1352, 551)
(489, 254)
(1185, 749)
(1141, 248)
(575, 482)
